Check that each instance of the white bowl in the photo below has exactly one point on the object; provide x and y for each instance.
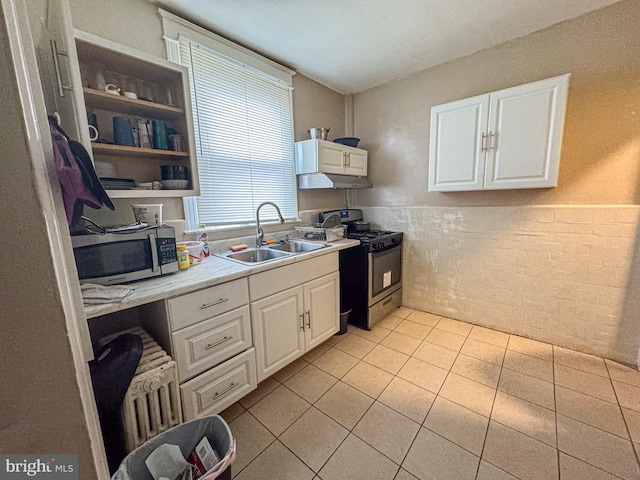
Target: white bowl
(196, 251)
(175, 184)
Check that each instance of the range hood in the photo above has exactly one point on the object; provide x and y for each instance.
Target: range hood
(332, 180)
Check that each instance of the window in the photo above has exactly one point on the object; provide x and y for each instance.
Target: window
(243, 124)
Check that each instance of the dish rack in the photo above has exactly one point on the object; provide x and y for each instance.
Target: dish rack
(152, 402)
(319, 233)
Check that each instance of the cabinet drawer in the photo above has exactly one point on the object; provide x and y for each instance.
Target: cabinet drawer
(197, 306)
(215, 390)
(208, 343)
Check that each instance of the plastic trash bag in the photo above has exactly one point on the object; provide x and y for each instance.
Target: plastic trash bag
(186, 436)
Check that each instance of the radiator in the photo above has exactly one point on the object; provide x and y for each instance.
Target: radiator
(152, 402)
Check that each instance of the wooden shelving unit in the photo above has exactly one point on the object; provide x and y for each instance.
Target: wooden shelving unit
(123, 151)
(129, 106)
(141, 164)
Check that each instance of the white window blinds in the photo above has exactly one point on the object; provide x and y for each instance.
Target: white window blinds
(244, 137)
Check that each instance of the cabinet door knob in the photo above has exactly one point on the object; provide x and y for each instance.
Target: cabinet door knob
(484, 144)
(309, 319)
(302, 321)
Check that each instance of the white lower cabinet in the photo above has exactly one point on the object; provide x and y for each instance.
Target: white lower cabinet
(211, 342)
(322, 309)
(227, 338)
(290, 323)
(278, 327)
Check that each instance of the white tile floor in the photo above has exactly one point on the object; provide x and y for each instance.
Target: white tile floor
(421, 396)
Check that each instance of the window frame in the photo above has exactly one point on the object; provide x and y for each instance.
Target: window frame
(177, 29)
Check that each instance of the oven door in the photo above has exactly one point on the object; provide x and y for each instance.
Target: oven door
(385, 273)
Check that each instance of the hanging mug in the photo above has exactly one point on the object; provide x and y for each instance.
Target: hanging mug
(93, 133)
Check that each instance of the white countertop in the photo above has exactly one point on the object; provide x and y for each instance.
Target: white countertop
(212, 271)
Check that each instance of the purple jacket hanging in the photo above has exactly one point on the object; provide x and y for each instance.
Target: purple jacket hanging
(78, 180)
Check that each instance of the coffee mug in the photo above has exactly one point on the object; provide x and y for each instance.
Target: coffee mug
(180, 172)
(112, 89)
(167, 172)
(122, 132)
(93, 133)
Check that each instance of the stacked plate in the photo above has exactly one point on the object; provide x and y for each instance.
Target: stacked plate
(117, 183)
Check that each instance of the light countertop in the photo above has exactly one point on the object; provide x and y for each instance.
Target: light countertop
(212, 271)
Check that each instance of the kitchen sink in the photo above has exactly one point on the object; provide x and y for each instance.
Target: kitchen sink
(298, 247)
(254, 255)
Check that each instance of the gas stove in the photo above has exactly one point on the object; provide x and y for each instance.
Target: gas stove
(371, 273)
(375, 240)
(370, 240)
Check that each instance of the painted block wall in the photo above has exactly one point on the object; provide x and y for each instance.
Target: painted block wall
(565, 275)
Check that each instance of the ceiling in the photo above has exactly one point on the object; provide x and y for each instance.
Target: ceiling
(354, 45)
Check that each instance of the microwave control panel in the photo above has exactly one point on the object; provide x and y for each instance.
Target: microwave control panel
(167, 251)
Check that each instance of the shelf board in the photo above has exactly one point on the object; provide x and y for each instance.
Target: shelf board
(124, 151)
(117, 103)
(150, 193)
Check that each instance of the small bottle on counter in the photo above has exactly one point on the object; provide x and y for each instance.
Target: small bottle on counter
(201, 236)
(183, 257)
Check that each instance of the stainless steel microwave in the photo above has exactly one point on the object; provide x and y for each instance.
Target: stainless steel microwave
(120, 257)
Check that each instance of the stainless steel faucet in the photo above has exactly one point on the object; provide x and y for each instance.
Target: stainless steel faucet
(259, 230)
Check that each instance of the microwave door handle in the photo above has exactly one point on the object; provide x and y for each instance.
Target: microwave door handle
(154, 253)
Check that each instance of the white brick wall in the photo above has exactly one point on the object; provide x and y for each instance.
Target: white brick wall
(569, 275)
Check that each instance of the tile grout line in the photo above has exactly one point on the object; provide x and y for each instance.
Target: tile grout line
(624, 419)
(486, 434)
(555, 406)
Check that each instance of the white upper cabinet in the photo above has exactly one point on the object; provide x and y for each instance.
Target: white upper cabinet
(508, 139)
(456, 157)
(321, 156)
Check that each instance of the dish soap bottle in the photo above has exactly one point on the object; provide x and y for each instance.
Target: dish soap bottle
(202, 236)
(183, 257)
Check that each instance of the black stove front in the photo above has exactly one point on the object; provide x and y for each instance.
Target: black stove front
(371, 273)
(376, 239)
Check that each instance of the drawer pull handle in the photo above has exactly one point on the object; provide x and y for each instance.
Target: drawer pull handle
(387, 302)
(309, 319)
(217, 302)
(226, 390)
(219, 342)
(302, 320)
